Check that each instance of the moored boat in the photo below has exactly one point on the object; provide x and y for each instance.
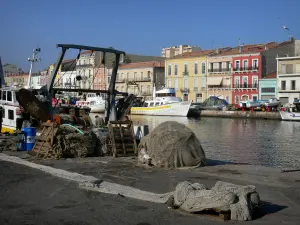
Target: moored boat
(294, 116)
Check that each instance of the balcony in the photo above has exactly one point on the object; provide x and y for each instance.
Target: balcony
(84, 65)
(245, 86)
(139, 79)
(244, 69)
(185, 90)
(222, 86)
(185, 73)
(223, 70)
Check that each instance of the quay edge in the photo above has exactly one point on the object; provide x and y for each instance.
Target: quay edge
(241, 114)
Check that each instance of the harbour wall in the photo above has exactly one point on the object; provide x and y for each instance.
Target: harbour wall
(241, 114)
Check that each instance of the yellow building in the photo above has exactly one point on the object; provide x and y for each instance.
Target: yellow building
(188, 74)
(57, 81)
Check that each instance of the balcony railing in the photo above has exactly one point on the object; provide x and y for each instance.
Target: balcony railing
(140, 79)
(185, 90)
(219, 86)
(185, 73)
(84, 65)
(120, 80)
(222, 70)
(249, 68)
(245, 85)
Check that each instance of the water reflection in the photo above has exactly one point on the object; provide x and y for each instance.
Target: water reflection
(260, 142)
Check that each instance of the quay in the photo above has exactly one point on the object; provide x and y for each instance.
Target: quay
(241, 114)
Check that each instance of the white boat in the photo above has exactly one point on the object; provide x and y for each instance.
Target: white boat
(294, 116)
(252, 104)
(272, 102)
(94, 102)
(11, 109)
(164, 104)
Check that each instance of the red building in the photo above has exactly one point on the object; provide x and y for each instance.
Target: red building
(246, 73)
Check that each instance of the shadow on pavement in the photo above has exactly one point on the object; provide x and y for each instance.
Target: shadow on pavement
(267, 208)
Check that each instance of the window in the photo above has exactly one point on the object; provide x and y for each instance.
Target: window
(297, 68)
(169, 70)
(169, 83)
(227, 66)
(254, 98)
(185, 84)
(195, 82)
(84, 62)
(237, 82)
(9, 97)
(283, 69)
(176, 70)
(4, 96)
(220, 66)
(0, 94)
(283, 85)
(195, 68)
(245, 66)
(127, 76)
(135, 75)
(140, 88)
(203, 68)
(268, 90)
(237, 65)
(108, 80)
(255, 82)
(245, 82)
(293, 85)
(203, 83)
(255, 63)
(91, 62)
(289, 69)
(142, 76)
(176, 84)
(148, 89)
(90, 72)
(211, 67)
(185, 68)
(237, 99)
(11, 114)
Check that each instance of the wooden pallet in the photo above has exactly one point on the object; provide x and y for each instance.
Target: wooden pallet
(122, 138)
(44, 142)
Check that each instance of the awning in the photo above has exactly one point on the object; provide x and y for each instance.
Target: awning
(214, 80)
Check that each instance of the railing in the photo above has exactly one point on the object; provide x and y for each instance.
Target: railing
(120, 80)
(219, 70)
(249, 68)
(219, 86)
(245, 85)
(84, 65)
(185, 90)
(145, 79)
(185, 73)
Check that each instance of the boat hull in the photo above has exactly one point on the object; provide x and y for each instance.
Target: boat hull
(99, 108)
(294, 116)
(174, 109)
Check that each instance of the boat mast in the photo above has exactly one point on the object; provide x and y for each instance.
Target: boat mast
(32, 61)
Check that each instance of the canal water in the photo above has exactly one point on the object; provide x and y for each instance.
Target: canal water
(247, 141)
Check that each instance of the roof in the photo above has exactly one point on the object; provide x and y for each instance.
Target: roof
(194, 54)
(142, 64)
(270, 75)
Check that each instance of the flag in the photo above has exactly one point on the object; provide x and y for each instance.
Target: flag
(286, 28)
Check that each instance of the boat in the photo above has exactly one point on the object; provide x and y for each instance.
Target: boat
(11, 109)
(95, 102)
(252, 104)
(164, 103)
(213, 103)
(272, 102)
(293, 116)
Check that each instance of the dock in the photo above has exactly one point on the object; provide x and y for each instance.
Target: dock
(241, 114)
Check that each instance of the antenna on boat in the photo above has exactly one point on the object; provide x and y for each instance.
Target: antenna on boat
(32, 61)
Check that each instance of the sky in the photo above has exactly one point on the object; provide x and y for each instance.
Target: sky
(139, 26)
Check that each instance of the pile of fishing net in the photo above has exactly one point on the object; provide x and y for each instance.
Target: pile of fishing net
(171, 145)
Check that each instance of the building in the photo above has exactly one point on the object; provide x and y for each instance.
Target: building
(11, 69)
(36, 80)
(219, 79)
(288, 79)
(103, 72)
(43, 77)
(19, 80)
(140, 77)
(178, 50)
(187, 74)
(268, 86)
(66, 65)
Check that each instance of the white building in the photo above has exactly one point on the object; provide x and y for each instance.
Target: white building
(85, 68)
(36, 81)
(288, 79)
(178, 50)
(69, 79)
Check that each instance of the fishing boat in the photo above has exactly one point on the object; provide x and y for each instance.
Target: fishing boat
(272, 102)
(293, 116)
(94, 102)
(164, 103)
(11, 109)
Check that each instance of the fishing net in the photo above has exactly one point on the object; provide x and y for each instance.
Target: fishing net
(172, 145)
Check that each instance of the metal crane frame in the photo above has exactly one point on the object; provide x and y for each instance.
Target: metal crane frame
(111, 89)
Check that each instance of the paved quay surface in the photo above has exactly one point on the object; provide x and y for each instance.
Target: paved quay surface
(279, 191)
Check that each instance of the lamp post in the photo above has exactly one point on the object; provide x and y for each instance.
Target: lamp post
(32, 61)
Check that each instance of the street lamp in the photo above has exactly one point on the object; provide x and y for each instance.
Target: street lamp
(32, 61)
